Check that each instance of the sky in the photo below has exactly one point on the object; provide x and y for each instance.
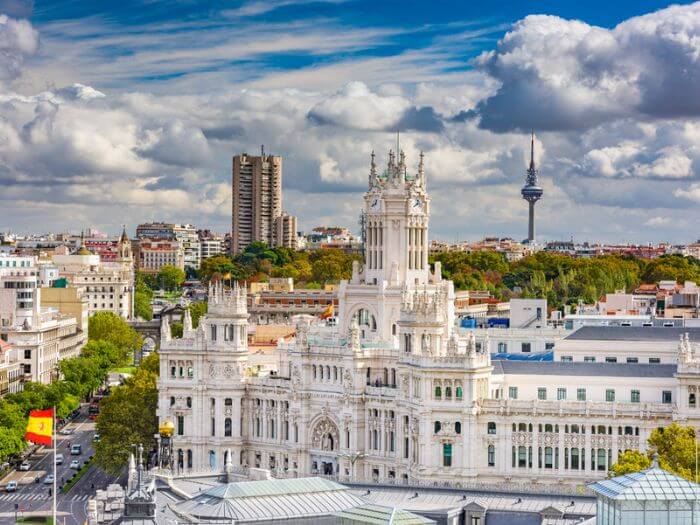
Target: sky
(117, 113)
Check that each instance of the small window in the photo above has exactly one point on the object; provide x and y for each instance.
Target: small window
(589, 359)
(666, 397)
(610, 395)
(189, 402)
(438, 392)
(654, 360)
(526, 347)
(447, 455)
(567, 359)
(633, 360)
(458, 427)
(513, 392)
(561, 394)
(611, 359)
(458, 392)
(491, 456)
(542, 393)
(634, 397)
(491, 428)
(581, 394)
(437, 426)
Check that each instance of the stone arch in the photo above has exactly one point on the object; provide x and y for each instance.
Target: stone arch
(372, 322)
(325, 435)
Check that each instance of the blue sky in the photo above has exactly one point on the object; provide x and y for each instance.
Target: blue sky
(118, 112)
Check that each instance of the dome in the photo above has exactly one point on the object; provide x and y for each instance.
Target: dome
(83, 251)
(166, 428)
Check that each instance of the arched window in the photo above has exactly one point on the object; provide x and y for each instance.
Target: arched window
(189, 402)
(448, 392)
(438, 392)
(601, 459)
(212, 460)
(328, 372)
(437, 426)
(522, 427)
(321, 371)
(180, 458)
(458, 392)
(335, 373)
(313, 368)
(574, 429)
(228, 402)
(458, 427)
(227, 427)
(189, 458)
(491, 456)
(548, 428)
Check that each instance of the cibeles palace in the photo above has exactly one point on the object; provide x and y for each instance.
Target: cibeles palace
(394, 390)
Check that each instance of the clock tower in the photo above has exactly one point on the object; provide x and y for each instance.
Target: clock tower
(396, 224)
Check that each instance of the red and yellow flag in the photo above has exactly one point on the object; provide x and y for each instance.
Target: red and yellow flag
(40, 427)
(328, 312)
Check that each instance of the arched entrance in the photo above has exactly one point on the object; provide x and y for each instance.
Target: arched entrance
(325, 443)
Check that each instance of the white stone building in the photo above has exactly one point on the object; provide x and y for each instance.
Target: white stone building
(108, 286)
(393, 391)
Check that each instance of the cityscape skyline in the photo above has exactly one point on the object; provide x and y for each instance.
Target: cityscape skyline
(100, 127)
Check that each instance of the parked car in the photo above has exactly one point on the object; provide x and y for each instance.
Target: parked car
(48, 479)
(11, 486)
(66, 431)
(75, 464)
(59, 459)
(76, 450)
(24, 466)
(96, 438)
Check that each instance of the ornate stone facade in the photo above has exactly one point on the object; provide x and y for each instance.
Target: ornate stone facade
(395, 390)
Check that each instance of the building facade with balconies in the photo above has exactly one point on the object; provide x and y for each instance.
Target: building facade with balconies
(391, 391)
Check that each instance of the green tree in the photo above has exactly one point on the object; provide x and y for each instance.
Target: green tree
(107, 326)
(197, 310)
(128, 417)
(176, 330)
(13, 423)
(142, 305)
(630, 461)
(221, 266)
(331, 265)
(82, 375)
(170, 277)
(676, 447)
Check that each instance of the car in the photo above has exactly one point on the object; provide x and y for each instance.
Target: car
(59, 459)
(11, 486)
(48, 479)
(75, 464)
(76, 450)
(96, 438)
(66, 431)
(24, 466)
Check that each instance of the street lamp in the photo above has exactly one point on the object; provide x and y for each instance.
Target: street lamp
(353, 457)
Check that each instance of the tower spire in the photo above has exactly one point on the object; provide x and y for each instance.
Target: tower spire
(531, 192)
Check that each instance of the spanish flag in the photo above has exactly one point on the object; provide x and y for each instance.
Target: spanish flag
(328, 312)
(40, 427)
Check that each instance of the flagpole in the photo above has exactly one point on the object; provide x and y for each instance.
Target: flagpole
(54, 465)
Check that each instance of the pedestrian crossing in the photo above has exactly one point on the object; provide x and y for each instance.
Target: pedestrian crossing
(19, 497)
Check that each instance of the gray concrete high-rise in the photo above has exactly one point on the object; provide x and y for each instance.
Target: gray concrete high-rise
(531, 192)
(257, 199)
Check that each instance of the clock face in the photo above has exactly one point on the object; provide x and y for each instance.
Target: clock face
(375, 205)
(416, 204)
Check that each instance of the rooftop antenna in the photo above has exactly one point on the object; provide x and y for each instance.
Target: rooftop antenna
(398, 142)
(262, 150)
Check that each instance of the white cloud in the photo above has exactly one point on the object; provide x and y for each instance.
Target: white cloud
(355, 106)
(558, 74)
(18, 40)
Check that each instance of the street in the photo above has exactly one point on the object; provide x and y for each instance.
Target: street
(32, 496)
